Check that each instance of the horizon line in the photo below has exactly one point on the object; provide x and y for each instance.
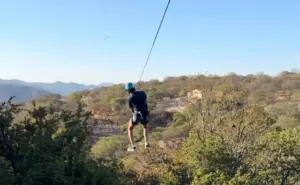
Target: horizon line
(207, 74)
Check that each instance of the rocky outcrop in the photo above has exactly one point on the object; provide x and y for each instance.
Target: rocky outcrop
(176, 105)
(194, 96)
(102, 128)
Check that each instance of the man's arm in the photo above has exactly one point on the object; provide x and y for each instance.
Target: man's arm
(131, 107)
(130, 104)
(146, 103)
(145, 95)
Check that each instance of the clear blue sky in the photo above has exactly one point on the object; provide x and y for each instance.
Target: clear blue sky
(67, 40)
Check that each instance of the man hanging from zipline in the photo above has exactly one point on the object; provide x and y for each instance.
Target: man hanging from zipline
(137, 101)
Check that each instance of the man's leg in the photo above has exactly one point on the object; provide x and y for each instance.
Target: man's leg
(130, 132)
(147, 145)
(145, 122)
(132, 122)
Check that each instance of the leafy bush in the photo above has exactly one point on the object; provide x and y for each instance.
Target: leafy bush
(111, 147)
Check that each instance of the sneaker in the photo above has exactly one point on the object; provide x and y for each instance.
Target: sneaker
(131, 149)
(147, 145)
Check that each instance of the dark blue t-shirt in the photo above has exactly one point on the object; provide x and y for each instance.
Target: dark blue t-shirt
(138, 101)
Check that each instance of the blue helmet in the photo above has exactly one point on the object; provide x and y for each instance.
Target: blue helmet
(129, 86)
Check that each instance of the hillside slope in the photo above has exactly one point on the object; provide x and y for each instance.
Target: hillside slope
(238, 130)
(170, 95)
(22, 93)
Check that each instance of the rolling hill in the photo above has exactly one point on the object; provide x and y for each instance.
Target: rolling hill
(22, 93)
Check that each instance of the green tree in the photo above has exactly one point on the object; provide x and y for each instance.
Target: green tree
(38, 152)
(277, 159)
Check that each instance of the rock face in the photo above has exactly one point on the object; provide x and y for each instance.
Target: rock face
(101, 128)
(176, 105)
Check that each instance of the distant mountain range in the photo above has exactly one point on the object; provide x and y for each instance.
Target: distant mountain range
(28, 90)
(22, 93)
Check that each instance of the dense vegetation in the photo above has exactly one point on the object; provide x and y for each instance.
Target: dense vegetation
(245, 130)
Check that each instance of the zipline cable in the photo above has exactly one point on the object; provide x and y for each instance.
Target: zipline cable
(154, 41)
